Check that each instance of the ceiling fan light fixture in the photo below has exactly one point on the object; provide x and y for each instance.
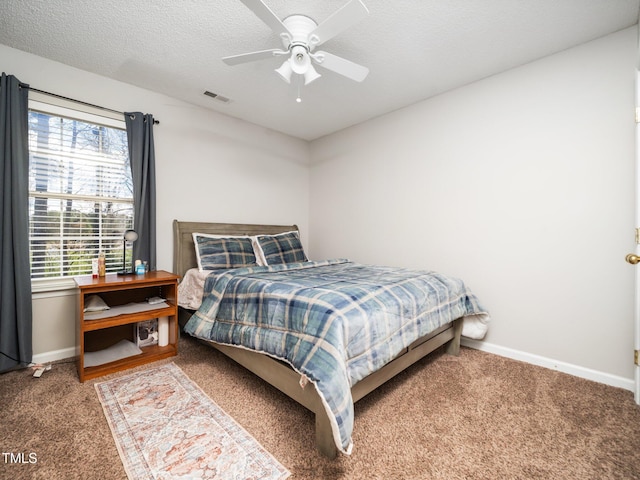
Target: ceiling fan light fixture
(300, 61)
(310, 75)
(300, 35)
(285, 71)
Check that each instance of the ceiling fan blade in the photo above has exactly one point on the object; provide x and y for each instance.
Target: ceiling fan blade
(264, 13)
(339, 21)
(340, 65)
(253, 56)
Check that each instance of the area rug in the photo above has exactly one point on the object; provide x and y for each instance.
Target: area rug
(165, 427)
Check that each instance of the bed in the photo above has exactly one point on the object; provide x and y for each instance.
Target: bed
(305, 365)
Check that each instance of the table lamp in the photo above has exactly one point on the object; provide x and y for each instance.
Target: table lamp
(129, 236)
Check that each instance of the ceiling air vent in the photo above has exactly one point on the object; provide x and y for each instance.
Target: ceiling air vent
(220, 98)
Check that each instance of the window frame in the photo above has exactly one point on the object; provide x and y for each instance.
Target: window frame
(53, 105)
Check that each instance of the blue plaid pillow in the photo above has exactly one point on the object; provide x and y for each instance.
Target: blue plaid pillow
(283, 248)
(224, 252)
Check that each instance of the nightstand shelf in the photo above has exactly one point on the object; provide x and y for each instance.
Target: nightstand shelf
(127, 298)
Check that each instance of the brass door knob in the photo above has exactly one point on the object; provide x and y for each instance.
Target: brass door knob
(632, 259)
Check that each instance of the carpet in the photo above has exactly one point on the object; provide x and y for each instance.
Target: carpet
(165, 427)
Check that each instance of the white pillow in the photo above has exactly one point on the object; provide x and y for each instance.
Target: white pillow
(95, 303)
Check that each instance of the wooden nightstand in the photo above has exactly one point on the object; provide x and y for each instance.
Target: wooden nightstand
(127, 298)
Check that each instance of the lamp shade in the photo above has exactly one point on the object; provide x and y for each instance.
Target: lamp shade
(285, 71)
(310, 75)
(300, 60)
(130, 235)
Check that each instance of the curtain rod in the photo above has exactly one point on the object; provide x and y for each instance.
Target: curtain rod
(155, 122)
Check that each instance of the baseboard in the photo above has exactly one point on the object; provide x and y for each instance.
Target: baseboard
(55, 355)
(575, 370)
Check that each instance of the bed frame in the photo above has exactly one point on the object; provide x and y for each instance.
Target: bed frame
(279, 374)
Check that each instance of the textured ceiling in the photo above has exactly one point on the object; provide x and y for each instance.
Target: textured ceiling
(414, 49)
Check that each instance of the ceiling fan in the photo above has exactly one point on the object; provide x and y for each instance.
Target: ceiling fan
(300, 36)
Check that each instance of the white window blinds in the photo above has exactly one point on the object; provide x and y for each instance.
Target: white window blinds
(80, 191)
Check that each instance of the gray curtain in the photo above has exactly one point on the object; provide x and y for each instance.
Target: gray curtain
(143, 170)
(15, 274)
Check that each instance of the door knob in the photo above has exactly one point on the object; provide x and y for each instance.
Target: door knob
(632, 259)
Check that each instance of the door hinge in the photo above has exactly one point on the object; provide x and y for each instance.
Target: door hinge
(636, 354)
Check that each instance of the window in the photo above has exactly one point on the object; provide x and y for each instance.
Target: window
(80, 191)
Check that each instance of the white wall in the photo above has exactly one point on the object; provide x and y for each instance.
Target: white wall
(521, 184)
(209, 167)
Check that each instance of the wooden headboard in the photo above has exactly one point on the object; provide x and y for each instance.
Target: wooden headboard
(184, 253)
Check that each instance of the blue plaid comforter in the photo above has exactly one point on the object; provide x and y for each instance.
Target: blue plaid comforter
(333, 321)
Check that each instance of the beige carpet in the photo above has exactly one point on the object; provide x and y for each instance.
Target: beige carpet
(476, 416)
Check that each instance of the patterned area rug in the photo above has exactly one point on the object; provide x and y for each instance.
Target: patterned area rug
(165, 427)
